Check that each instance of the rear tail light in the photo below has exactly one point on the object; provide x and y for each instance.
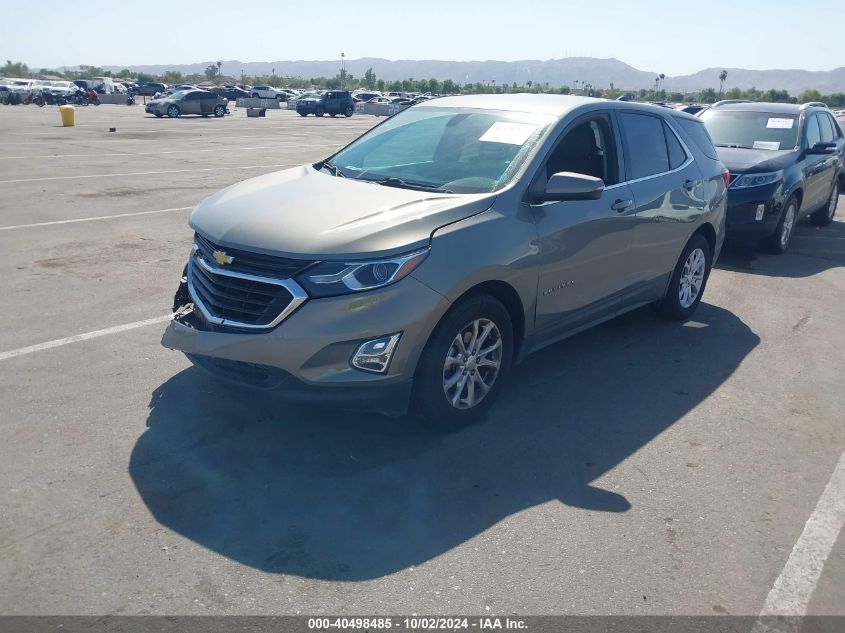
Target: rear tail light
(726, 175)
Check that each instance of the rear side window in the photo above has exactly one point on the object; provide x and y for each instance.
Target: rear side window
(826, 128)
(677, 155)
(645, 143)
(699, 135)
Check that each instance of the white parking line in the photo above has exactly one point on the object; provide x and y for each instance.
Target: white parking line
(216, 149)
(93, 219)
(22, 351)
(138, 173)
(793, 589)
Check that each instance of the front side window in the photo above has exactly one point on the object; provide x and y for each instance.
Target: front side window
(814, 134)
(752, 130)
(588, 149)
(826, 128)
(447, 149)
(645, 143)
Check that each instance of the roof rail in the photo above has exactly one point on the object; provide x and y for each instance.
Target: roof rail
(727, 101)
(813, 104)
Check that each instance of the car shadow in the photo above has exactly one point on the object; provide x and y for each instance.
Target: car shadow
(813, 250)
(332, 495)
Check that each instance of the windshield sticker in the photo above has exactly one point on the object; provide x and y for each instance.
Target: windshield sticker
(780, 124)
(510, 133)
(766, 144)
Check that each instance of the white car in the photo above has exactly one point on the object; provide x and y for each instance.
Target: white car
(268, 92)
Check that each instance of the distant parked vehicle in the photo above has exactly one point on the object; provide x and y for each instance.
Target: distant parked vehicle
(232, 93)
(333, 102)
(149, 88)
(364, 97)
(199, 102)
(268, 92)
(785, 163)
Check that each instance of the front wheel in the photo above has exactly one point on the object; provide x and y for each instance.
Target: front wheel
(688, 280)
(219, 111)
(824, 216)
(173, 112)
(464, 363)
(778, 242)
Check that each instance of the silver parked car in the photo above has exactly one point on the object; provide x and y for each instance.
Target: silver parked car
(419, 263)
(201, 102)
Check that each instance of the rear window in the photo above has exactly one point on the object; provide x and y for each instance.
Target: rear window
(698, 133)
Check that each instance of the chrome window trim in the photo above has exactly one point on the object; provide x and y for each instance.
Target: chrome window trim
(297, 292)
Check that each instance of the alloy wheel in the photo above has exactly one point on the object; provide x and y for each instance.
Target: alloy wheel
(786, 227)
(472, 363)
(692, 278)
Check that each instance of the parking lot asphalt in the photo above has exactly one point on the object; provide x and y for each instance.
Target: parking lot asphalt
(642, 467)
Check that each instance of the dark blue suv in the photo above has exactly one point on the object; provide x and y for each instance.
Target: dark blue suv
(333, 102)
(785, 163)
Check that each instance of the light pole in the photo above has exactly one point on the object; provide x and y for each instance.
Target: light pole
(343, 70)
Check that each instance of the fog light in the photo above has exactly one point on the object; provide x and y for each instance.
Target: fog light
(374, 356)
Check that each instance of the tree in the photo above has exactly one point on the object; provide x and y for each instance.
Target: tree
(722, 77)
(14, 69)
(211, 71)
(125, 73)
(380, 85)
(810, 95)
(661, 77)
(708, 95)
(370, 79)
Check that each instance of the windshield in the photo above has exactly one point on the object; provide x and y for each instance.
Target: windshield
(757, 130)
(447, 149)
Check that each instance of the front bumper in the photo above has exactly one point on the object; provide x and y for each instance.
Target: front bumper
(307, 357)
(741, 221)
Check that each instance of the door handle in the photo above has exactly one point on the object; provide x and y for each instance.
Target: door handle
(622, 205)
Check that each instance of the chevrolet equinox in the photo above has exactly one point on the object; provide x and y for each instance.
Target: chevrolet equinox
(419, 263)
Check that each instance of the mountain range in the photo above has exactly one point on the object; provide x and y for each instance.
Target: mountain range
(571, 71)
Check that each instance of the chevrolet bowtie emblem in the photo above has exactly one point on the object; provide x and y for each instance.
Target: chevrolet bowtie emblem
(222, 258)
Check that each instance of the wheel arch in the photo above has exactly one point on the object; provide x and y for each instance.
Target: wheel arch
(509, 298)
(709, 233)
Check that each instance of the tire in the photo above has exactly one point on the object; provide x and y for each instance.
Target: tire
(778, 242)
(433, 399)
(333, 114)
(158, 115)
(348, 112)
(219, 111)
(173, 112)
(320, 112)
(825, 215)
(255, 95)
(690, 274)
(303, 114)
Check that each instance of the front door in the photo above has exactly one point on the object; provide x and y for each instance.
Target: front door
(584, 244)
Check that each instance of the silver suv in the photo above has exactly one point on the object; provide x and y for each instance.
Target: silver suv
(419, 263)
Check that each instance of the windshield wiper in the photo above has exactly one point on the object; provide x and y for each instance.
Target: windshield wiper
(392, 181)
(334, 170)
(734, 145)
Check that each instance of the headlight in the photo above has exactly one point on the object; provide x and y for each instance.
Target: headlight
(757, 180)
(329, 279)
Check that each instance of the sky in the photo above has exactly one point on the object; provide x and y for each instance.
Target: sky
(669, 37)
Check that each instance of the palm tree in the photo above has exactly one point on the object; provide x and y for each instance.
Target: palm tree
(219, 66)
(722, 76)
(662, 77)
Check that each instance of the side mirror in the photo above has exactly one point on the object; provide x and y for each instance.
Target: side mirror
(566, 185)
(822, 148)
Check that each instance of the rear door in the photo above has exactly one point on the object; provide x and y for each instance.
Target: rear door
(829, 134)
(583, 252)
(191, 103)
(668, 192)
(207, 102)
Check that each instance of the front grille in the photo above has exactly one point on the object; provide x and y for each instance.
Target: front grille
(235, 300)
(250, 374)
(252, 263)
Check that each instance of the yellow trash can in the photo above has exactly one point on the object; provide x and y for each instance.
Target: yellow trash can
(67, 113)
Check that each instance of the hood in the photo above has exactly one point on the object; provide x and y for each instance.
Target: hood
(302, 212)
(740, 160)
